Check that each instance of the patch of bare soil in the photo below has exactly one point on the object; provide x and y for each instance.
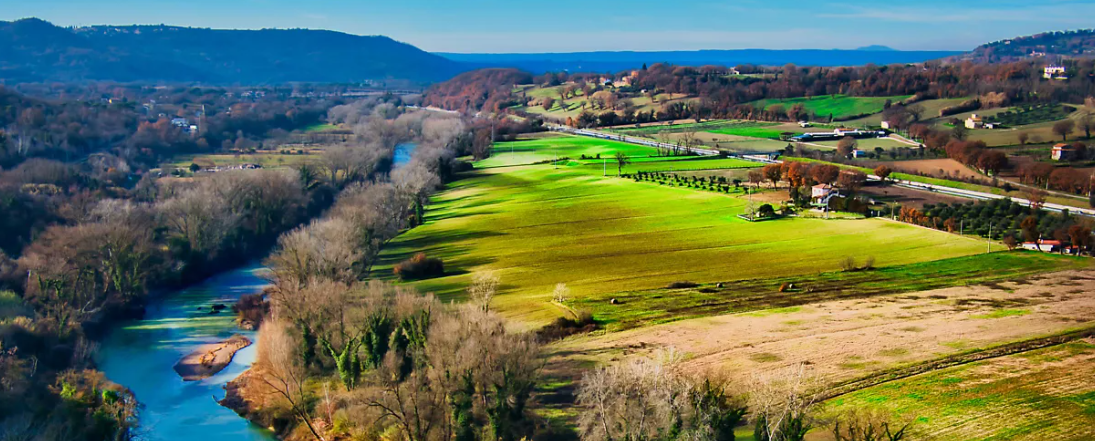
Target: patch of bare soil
(908, 196)
(942, 168)
(849, 339)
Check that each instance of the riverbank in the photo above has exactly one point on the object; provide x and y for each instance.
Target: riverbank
(140, 355)
(210, 359)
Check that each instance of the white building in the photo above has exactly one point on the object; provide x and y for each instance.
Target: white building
(974, 122)
(1053, 72)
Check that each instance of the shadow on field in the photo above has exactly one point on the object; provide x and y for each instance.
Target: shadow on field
(463, 214)
(440, 244)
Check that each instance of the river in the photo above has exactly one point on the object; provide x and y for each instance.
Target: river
(141, 355)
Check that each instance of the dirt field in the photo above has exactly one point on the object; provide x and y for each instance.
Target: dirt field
(845, 340)
(943, 167)
(908, 197)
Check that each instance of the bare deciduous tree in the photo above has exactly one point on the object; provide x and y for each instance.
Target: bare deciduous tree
(782, 401)
(561, 293)
(483, 288)
(282, 370)
(200, 217)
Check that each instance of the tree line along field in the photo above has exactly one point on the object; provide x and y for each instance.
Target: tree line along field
(540, 225)
(839, 106)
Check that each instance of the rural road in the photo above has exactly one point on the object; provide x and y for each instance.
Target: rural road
(970, 194)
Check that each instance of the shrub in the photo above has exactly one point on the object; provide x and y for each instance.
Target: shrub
(251, 308)
(682, 285)
(848, 264)
(563, 327)
(419, 267)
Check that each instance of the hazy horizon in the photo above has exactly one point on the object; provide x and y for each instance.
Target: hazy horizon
(494, 26)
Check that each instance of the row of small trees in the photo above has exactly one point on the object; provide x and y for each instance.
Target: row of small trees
(649, 399)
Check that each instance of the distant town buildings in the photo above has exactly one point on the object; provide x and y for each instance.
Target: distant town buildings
(1054, 72)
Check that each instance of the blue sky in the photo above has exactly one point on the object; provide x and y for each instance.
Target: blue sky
(584, 25)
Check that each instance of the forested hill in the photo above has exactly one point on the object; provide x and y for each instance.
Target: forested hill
(33, 50)
(1069, 44)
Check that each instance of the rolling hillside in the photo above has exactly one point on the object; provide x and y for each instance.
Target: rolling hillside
(33, 50)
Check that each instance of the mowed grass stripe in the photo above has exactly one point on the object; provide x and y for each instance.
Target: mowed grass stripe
(537, 226)
(548, 148)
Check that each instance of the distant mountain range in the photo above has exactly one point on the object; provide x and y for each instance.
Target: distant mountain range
(33, 50)
(618, 61)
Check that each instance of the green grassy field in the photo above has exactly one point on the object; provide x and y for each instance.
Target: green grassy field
(537, 226)
(931, 111)
(321, 128)
(265, 159)
(664, 305)
(654, 129)
(840, 106)
(1038, 395)
(752, 130)
(562, 146)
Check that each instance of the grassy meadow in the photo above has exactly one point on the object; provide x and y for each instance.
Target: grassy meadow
(752, 130)
(549, 148)
(540, 225)
(840, 106)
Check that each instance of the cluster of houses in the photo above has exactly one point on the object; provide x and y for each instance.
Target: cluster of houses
(1054, 72)
(1050, 246)
(185, 125)
(221, 168)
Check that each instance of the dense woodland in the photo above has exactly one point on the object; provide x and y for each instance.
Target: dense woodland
(86, 249)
